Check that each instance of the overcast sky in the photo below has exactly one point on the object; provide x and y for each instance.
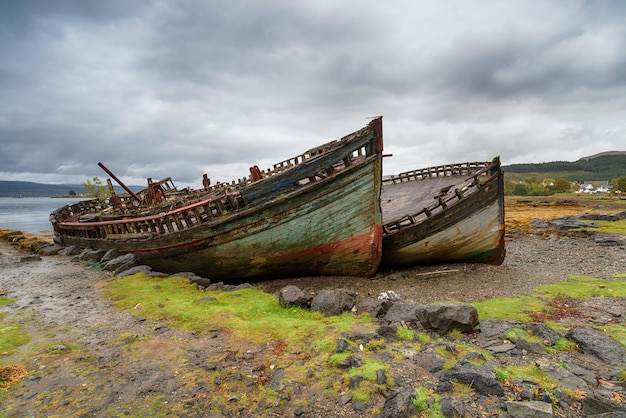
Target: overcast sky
(182, 88)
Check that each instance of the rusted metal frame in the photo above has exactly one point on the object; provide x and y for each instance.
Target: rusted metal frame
(130, 192)
(267, 191)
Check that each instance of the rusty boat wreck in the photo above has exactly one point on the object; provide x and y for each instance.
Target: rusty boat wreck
(314, 214)
(445, 214)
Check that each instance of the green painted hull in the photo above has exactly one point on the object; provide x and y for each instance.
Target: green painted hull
(315, 214)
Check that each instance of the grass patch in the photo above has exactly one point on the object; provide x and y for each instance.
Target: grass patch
(520, 308)
(530, 371)
(509, 308)
(578, 287)
(607, 227)
(11, 336)
(427, 403)
(405, 334)
(615, 331)
(5, 301)
(250, 314)
(253, 316)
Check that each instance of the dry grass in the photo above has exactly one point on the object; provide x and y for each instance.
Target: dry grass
(10, 375)
(519, 211)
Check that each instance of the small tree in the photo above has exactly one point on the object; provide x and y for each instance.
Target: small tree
(619, 184)
(562, 185)
(94, 188)
(521, 189)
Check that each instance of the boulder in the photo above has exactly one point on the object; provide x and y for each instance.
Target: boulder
(109, 255)
(294, 296)
(548, 335)
(376, 308)
(529, 409)
(403, 311)
(598, 344)
(479, 378)
(445, 317)
(333, 302)
(117, 262)
(399, 404)
(91, 255)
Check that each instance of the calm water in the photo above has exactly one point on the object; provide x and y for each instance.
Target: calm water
(29, 214)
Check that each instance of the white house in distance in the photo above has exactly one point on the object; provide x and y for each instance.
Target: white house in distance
(594, 187)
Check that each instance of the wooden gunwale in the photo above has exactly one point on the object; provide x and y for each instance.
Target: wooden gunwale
(470, 185)
(228, 217)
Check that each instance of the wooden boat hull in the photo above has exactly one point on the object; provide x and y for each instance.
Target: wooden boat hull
(331, 226)
(467, 229)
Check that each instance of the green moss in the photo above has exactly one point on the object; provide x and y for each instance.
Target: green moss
(405, 334)
(11, 335)
(5, 301)
(519, 308)
(427, 403)
(509, 308)
(607, 227)
(251, 314)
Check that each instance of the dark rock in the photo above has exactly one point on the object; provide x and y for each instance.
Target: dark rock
(529, 346)
(53, 249)
(430, 360)
(342, 345)
(355, 381)
(29, 258)
(479, 378)
(452, 408)
(243, 286)
(597, 343)
(117, 262)
(501, 348)
(388, 333)
(110, 255)
(548, 335)
(445, 317)
(194, 278)
(333, 302)
(350, 362)
(141, 269)
(595, 403)
(399, 404)
(275, 383)
(359, 406)
(529, 409)
(344, 399)
(496, 329)
(91, 255)
(381, 377)
(403, 311)
(561, 375)
(293, 296)
(69, 250)
(375, 307)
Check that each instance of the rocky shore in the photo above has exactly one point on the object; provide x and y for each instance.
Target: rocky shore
(463, 364)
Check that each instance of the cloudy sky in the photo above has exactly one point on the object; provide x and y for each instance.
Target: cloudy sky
(181, 88)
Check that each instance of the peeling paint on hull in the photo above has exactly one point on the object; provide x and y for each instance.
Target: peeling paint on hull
(315, 214)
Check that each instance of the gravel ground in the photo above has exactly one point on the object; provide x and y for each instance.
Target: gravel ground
(58, 302)
(531, 261)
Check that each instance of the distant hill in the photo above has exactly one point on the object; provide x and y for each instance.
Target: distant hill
(599, 167)
(30, 189)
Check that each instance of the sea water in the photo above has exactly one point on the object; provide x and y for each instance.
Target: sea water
(30, 214)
